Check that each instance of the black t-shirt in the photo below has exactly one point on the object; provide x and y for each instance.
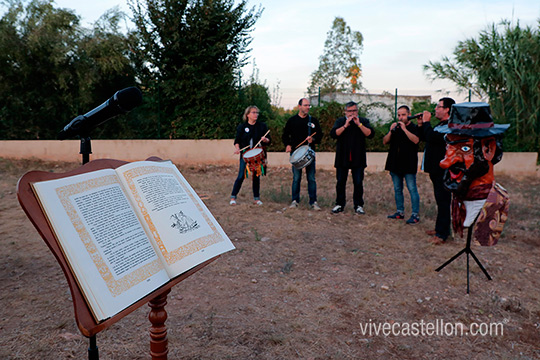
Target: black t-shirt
(435, 148)
(249, 135)
(351, 144)
(403, 154)
(298, 129)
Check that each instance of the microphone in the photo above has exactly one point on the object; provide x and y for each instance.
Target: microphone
(122, 102)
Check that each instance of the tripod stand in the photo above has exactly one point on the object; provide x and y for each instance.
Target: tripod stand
(468, 251)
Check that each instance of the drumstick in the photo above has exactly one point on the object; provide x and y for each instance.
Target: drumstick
(305, 140)
(261, 139)
(242, 149)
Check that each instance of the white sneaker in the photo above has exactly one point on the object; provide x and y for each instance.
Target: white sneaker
(294, 204)
(337, 209)
(359, 210)
(315, 206)
(232, 202)
(258, 202)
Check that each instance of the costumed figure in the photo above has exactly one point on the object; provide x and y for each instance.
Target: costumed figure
(474, 145)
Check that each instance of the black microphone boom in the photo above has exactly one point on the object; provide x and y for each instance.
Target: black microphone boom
(122, 102)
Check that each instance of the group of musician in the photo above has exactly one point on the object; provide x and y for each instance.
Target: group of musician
(302, 132)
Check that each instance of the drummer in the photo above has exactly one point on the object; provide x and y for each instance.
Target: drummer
(248, 134)
(303, 129)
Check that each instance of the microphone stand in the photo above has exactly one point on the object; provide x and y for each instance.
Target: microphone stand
(86, 148)
(134, 98)
(93, 352)
(85, 151)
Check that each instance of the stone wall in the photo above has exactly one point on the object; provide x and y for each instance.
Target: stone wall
(207, 152)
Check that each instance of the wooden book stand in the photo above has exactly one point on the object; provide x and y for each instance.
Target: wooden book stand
(83, 316)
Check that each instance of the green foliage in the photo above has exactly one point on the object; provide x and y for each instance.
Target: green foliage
(421, 106)
(340, 60)
(36, 60)
(327, 114)
(256, 93)
(191, 50)
(184, 55)
(52, 70)
(503, 64)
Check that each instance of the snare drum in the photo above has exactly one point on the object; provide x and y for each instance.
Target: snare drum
(302, 157)
(255, 160)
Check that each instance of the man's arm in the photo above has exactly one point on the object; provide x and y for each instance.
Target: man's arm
(318, 130)
(386, 139)
(424, 126)
(286, 136)
(338, 129)
(366, 128)
(413, 137)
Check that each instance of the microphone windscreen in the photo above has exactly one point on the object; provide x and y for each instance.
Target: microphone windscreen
(128, 98)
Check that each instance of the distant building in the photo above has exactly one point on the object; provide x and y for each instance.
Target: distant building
(380, 107)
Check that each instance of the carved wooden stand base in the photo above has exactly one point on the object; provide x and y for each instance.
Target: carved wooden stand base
(158, 331)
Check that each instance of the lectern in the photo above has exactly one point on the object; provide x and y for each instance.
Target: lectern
(83, 316)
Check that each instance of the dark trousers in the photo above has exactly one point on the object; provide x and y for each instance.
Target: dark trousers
(443, 198)
(358, 183)
(240, 179)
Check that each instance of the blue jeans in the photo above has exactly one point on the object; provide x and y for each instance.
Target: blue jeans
(240, 179)
(410, 179)
(358, 182)
(312, 184)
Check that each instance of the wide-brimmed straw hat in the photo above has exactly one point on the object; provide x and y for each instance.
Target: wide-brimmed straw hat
(472, 119)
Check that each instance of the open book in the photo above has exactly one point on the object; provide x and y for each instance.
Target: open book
(127, 231)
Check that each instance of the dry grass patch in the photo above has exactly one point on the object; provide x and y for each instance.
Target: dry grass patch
(300, 283)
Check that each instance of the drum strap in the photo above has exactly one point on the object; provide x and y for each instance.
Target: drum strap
(309, 129)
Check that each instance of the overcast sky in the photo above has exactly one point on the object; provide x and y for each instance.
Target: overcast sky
(399, 37)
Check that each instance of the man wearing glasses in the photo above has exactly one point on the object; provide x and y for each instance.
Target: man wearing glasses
(302, 128)
(351, 132)
(434, 152)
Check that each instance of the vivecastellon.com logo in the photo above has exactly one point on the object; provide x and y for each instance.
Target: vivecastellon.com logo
(438, 327)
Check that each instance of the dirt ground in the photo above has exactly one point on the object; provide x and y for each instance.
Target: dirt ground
(300, 284)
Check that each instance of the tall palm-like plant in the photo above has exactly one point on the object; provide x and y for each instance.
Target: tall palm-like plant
(502, 66)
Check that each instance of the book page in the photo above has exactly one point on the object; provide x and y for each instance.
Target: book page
(102, 239)
(184, 231)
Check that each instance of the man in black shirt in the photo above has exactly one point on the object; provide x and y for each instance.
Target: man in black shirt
(402, 162)
(351, 132)
(433, 154)
(303, 128)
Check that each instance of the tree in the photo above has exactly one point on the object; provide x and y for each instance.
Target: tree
(503, 65)
(52, 69)
(104, 65)
(36, 75)
(190, 51)
(340, 61)
(255, 92)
